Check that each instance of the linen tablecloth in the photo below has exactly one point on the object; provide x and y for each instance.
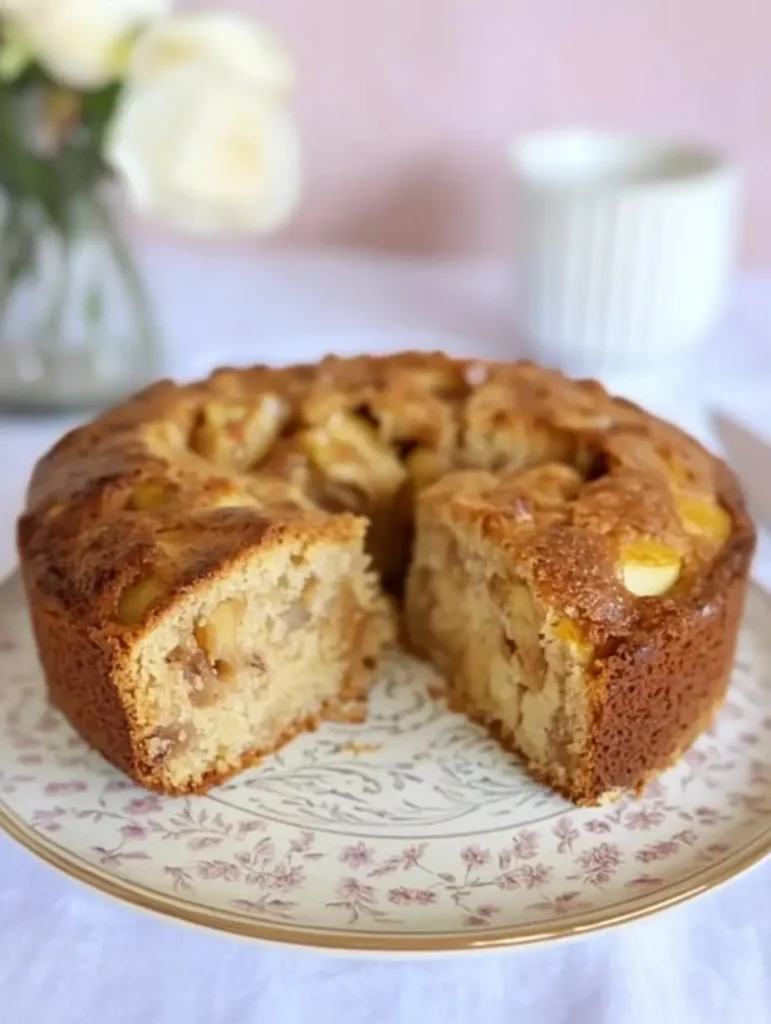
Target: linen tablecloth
(68, 955)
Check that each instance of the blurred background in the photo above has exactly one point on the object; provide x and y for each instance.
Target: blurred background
(394, 145)
(406, 106)
(397, 221)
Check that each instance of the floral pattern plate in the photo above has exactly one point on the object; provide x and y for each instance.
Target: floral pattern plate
(412, 832)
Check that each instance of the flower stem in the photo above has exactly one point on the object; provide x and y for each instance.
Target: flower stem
(135, 285)
(49, 333)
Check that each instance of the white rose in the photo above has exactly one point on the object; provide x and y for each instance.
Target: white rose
(226, 42)
(82, 43)
(206, 151)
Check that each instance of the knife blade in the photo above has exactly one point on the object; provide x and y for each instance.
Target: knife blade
(749, 455)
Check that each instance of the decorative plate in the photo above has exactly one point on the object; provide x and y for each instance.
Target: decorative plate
(411, 832)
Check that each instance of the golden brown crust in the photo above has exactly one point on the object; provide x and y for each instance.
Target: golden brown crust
(186, 480)
(664, 681)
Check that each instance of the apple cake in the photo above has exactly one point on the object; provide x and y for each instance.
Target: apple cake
(213, 567)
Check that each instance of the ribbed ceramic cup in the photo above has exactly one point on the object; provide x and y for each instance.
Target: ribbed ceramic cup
(626, 247)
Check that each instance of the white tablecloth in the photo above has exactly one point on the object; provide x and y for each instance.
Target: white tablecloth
(67, 955)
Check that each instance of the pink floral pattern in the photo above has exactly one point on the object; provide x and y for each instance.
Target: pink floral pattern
(358, 855)
(415, 822)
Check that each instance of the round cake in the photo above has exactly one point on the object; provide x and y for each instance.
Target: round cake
(212, 568)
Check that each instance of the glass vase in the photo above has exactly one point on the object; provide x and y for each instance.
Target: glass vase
(76, 325)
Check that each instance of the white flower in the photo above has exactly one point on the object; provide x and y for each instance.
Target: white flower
(228, 43)
(206, 151)
(81, 43)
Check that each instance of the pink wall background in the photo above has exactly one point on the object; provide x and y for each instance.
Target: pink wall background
(406, 106)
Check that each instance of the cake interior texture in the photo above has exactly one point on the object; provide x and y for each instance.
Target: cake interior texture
(510, 660)
(255, 656)
(213, 568)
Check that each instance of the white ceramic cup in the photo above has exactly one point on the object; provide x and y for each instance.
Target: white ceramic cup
(626, 247)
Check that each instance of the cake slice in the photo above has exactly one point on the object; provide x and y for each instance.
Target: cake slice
(543, 599)
(214, 641)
